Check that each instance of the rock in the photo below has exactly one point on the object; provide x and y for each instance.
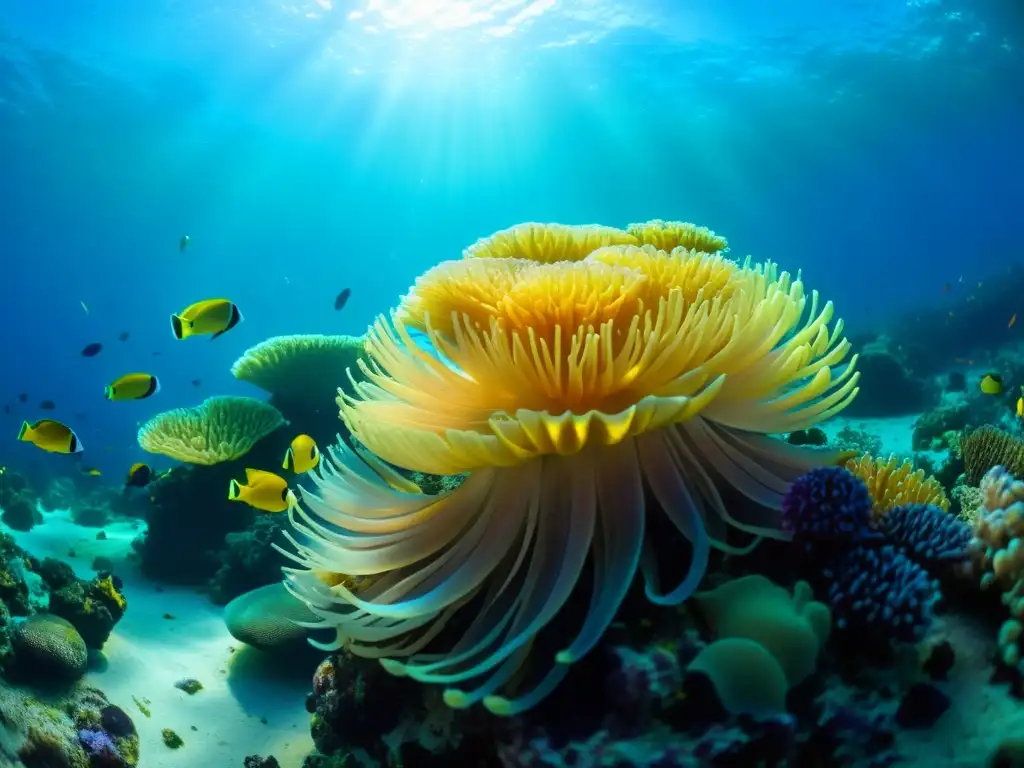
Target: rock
(922, 705)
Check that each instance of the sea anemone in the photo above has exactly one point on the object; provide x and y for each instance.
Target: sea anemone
(566, 390)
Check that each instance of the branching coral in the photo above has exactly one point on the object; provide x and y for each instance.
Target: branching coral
(565, 390)
(221, 429)
(987, 447)
(892, 484)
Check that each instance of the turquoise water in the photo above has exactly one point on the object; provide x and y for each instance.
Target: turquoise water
(306, 147)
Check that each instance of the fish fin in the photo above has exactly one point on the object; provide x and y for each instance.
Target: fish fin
(289, 460)
(178, 327)
(25, 429)
(234, 490)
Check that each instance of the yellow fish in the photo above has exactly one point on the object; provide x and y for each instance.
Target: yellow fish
(991, 384)
(139, 475)
(212, 316)
(302, 455)
(91, 471)
(263, 490)
(51, 436)
(1020, 407)
(132, 386)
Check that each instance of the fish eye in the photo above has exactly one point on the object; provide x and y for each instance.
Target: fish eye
(191, 323)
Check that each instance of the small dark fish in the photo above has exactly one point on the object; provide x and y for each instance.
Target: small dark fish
(7, 409)
(156, 354)
(91, 350)
(47, 405)
(123, 336)
(23, 397)
(341, 298)
(196, 382)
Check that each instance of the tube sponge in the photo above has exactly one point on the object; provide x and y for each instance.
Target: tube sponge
(220, 429)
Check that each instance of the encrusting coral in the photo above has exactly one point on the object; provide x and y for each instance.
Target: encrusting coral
(563, 389)
(892, 483)
(222, 428)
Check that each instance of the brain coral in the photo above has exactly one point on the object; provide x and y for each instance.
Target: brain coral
(300, 365)
(265, 618)
(571, 391)
(221, 429)
(50, 645)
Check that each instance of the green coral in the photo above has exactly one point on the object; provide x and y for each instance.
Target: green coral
(48, 644)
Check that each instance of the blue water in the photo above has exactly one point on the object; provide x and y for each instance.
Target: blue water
(311, 146)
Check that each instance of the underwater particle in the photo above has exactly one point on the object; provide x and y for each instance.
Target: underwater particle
(91, 350)
(212, 317)
(263, 490)
(342, 298)
(123, 336)
(132, 386)
(171, 739)
(84, 307)
(183, 243)
(47, 405)
(189, 685)
(51, 436)
(23, 397)
(196, 382)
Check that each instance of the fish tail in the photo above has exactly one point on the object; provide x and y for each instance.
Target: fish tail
(234, 491)
(178, 327)
(23, 432)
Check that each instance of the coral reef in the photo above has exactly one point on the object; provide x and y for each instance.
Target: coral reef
(190, 516)
(933, 430)
(248, 559)
(888, 388)
(859, 441)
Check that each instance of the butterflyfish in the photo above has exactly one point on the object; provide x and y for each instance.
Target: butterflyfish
(132, 386)
(263, 490)
(210, 317)
(51, 436)
(302, 455)
(992, 384)
(139, 475)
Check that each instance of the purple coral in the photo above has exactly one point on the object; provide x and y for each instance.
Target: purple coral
(881, 594)
(827, 507)
(98, 745)
(929, 535)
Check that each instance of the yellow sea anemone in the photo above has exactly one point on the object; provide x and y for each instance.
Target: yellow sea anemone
(574, 394)
(548, 243)
(669, 235)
